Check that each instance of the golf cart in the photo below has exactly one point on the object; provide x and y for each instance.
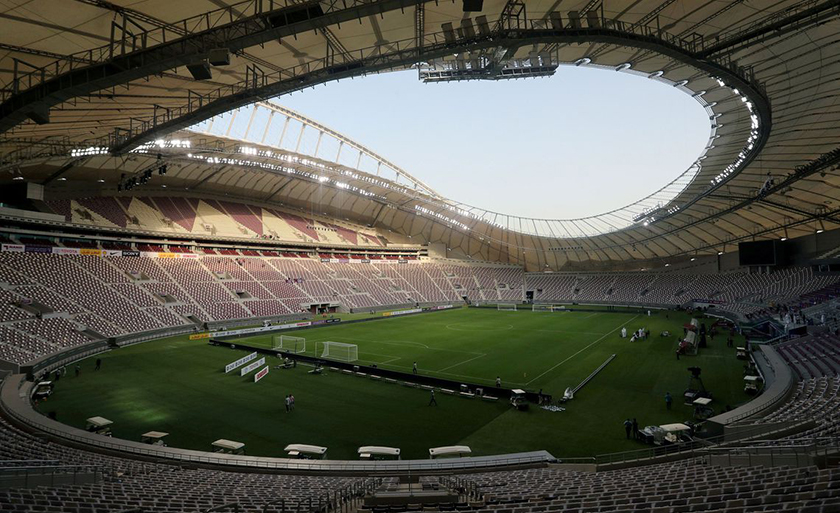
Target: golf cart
(517, 399)
(42, 390)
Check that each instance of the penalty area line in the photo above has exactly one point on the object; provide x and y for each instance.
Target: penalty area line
(461, 363)
(582, 350)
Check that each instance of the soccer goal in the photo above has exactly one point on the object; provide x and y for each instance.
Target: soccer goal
(507, 307)
(340, 351)
(289, 344)
(542, 308)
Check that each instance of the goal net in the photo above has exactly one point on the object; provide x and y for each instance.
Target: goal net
(547, 308)
(507, 307)
(340, 351)
(289, 344)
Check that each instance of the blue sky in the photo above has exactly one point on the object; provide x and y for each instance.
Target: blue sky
(579, 143)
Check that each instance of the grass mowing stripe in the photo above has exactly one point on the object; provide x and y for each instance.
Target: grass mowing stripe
(402, 344)
(581, 350)
(177, 385)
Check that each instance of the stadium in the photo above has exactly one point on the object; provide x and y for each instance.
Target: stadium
(212, 301)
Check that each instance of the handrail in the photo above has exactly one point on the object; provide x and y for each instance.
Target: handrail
(811, 450)
(769, 354)
(687, 449)
(26, 462)
(74, 468)
(19, 409)
(24, 414)
(50, 475)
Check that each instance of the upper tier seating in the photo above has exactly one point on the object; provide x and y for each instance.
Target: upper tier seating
(204, 217)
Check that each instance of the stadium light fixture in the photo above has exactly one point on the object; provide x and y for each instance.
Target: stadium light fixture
(89, 151)
(693, 259)
(720, 253)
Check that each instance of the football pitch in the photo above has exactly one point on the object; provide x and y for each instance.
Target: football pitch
(178, 385)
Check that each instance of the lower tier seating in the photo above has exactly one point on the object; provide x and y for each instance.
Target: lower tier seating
(79, 298)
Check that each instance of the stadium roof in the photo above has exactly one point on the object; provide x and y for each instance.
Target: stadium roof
(93, 89)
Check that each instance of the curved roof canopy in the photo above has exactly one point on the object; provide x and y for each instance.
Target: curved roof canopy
(92, 89)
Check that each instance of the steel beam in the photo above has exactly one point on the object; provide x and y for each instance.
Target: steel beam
(239, 34)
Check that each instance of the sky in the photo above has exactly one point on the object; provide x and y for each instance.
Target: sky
(579, 143)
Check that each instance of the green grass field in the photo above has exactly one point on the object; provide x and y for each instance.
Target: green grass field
(178, 386)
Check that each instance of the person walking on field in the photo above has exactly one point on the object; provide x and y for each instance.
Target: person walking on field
(98, 364)
(628, 426)
(432, 400)
(291, 402)
(668, 400)
(498, 382)
(414, 368)
(635, 428)
(288, 403)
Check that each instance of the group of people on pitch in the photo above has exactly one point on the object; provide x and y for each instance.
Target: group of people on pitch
(641, 333)
(290, 403)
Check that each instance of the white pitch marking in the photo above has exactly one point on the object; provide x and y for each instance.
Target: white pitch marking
(472, 378)
(393, 343)
(508, 327)
(581, 350)
(406, 343)
(567, 332)
(382, 355)
(380, 363)
(461, 363)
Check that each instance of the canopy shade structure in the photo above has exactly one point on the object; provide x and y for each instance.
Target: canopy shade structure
(130, 88)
